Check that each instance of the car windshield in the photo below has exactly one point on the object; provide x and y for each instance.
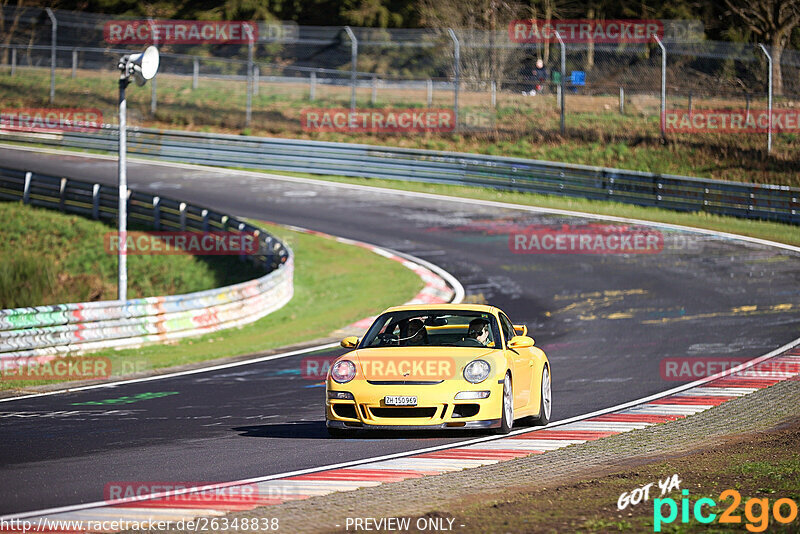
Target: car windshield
(432, 328)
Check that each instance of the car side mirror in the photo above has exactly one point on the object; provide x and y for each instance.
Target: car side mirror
(349, 342)
(520, 342)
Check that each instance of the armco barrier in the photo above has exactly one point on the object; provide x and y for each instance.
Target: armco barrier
(769, 202)
(48, 331)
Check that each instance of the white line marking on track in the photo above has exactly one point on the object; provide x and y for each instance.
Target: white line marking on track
(559, 424)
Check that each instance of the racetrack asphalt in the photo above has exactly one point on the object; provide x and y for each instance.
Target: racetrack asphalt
(606, 322)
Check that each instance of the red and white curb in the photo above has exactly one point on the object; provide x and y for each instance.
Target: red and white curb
(214, 500)
(440, 286)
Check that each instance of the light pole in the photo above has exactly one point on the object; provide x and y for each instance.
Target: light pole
(142, 67)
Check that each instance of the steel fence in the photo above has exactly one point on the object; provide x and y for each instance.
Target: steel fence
(490, 85)
(44, 332)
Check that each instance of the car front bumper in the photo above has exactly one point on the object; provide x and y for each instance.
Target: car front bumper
(436, 406)
(468, 425)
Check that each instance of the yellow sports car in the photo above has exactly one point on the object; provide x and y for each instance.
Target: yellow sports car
(442, 366)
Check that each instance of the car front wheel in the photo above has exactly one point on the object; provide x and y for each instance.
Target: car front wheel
(545, 400)
(507, 417)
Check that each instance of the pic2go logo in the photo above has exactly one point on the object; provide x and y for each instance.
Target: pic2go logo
(757, 521)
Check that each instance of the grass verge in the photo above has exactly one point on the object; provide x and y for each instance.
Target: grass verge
(764, 466)
(334, 285)
(521, 126)
(48, 257)
(774, 231)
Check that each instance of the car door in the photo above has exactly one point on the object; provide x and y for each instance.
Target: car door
(521, 366)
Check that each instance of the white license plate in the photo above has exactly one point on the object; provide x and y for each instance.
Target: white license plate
(399, 400)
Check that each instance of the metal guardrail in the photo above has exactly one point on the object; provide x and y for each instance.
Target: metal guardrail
(683, 193)
(47, 331)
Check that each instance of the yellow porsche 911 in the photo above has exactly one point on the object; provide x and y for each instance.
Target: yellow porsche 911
(442, 366)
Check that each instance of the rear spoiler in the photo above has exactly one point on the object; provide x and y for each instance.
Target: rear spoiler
(521, 329)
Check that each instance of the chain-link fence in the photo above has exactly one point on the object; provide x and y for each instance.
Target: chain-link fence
(491, 83)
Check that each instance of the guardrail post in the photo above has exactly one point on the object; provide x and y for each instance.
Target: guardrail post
(204, 213)
(690, 104)
(430, 93)
(456, 72)
(26, 192)
(769, 99)
(374, 89)
(74, 62)
(96, 201)
(61, 194)
(195, 72)
(353, 66)
(53, 38)
(13, 61)
(312, 86)
(621, 100)
(663, 86)
(182, 211)
(494, 94)
(157, 213)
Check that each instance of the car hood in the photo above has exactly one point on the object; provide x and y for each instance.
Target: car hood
(416, 363)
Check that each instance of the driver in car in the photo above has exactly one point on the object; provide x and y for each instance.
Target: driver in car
(415, 334)
(479, 331)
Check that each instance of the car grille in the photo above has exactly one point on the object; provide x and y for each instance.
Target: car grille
(345, 410)
(403, 412)
(466, 410)
(404, 382)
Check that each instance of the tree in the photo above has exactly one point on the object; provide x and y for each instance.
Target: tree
(772, 21)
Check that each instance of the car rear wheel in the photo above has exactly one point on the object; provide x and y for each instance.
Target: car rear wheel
(507, 417)
(545, 400)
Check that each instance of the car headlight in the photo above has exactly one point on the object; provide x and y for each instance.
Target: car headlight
(477, 371)
(343, 371)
